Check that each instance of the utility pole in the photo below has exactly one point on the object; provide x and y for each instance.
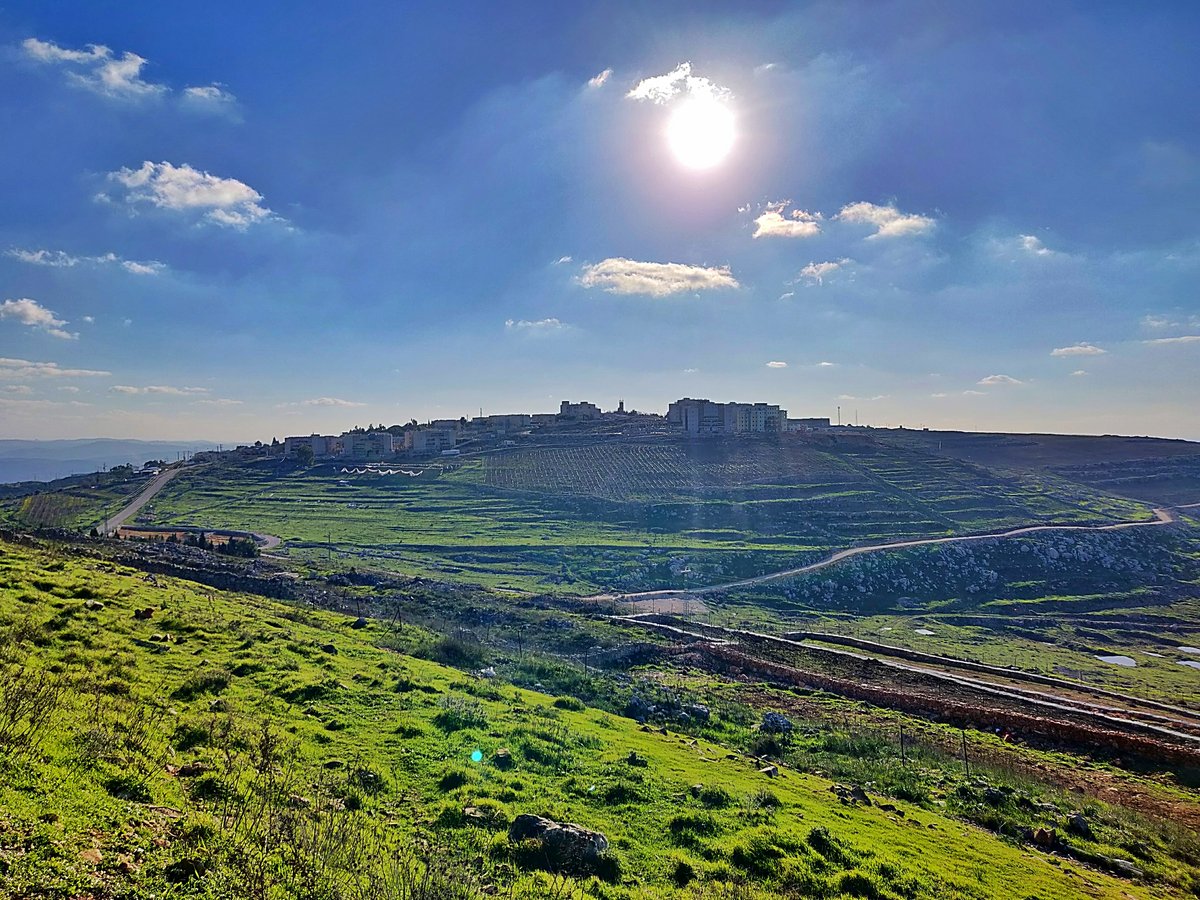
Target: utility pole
(839, 416)
(903, 761)
(966, 763)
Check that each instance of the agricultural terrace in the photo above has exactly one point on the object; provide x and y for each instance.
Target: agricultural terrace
(624, 516)
(80, 507)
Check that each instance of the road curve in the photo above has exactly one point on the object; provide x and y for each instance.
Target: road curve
(1162, 516)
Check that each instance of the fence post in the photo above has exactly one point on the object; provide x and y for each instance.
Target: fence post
(966, 763)
(903, 761)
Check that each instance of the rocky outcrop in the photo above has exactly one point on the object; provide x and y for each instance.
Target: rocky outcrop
(567, 847)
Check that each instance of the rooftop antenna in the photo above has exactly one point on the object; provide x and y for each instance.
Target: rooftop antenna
(839, 416)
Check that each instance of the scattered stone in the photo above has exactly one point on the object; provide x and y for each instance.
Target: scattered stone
(994, 797)
(489, 672)
(329, 648)
(192, 769)
(892, 808)
(126, 865)
(143, 613)
(218, 705)
(160, 638)
(1045, 838)
(769, 771)
(1078, 826)
(695, 790)
(854, 794)
(93, 605)
(634, 760)
(502, 758)
(568, 847)
(776, 723)
(360, 622)
(184, 870)
(48, 818)
(92, 855)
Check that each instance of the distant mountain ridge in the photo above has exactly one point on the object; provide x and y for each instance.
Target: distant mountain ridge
(47, 460)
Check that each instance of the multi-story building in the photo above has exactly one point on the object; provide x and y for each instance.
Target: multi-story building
(434, 440)
(372, 445)
(577, 411)
(706, 417)
(321, 445)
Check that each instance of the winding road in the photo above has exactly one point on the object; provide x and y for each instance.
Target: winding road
(1162, 516)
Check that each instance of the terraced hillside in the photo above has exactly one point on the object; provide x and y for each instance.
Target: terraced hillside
(628, 515)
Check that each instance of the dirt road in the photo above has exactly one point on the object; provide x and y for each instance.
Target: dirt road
(1162, 516)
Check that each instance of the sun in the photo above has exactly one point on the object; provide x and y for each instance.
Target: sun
(701, 132)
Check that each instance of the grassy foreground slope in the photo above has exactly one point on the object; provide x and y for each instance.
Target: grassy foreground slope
(230, 746)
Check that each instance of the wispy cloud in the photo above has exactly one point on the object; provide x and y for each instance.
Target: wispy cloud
(34, 315)
(210, 98)
(680, 80)
(817, 272)
(1034, 246)
(888, 221)
(599, 80)
(992, 380)
(60, 259)
(166, 389)
(218, 401)
(627, 276)
(776, 364)
(549, 325)
(863, 399)
(1081, 349)
(777, 221)
(1182, 339)
(564, 260)
(321, 401)
(97, 68)
(24, 368)
(1078, 373)
(222, 201)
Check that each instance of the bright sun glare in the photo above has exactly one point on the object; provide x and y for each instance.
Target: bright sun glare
(700, 132)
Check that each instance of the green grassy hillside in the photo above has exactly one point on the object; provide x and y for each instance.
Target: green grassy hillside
(224, 745)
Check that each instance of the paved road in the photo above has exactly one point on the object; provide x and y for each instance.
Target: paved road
(112, 523)
(266, 541)
(1162, 516)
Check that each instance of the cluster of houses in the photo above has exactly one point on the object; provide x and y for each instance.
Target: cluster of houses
(443, 436)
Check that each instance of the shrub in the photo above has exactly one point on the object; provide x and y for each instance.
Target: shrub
(715, 797)
(127, 786)
(458, 713)
(570, 703)
(205, 681)
(453, 779)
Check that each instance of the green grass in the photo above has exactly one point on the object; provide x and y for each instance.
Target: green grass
(366, 750)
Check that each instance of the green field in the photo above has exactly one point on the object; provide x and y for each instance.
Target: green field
(626, 516)
(230, 746)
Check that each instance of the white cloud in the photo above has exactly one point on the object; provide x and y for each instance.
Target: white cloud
(166, 389)
(600, 79)
(89, 319)
(540, 326)
(223, 201)
(33, 314)
(864, 399)
(70, 388)
(974, 393)
(992, 380)
(218, 401)
(823, 364)
(888, 221)
(60, 259)
(816, 272)
(939, 395)
(1182, 339)
(626, 276)
(209, 98)
(776, 221)
(1033, 245)
(563, 260)
(680, 80)
(97, 69)
(17, 389)
(1157, 322)
(24, 368)
(690, 371)
(1081, 349)
(776, 364)
(1078, 372)
(787, 295)
(321, 401)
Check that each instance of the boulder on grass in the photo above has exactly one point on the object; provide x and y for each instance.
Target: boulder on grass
(568, 847)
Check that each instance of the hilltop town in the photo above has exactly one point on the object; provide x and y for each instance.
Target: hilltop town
(449, 437)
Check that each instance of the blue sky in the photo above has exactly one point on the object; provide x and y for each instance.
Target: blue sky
(239, 221)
